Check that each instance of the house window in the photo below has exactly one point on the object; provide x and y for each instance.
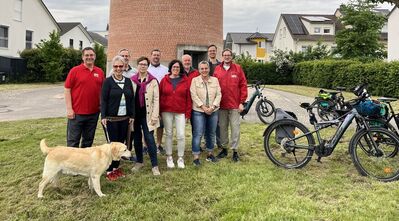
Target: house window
(316, 30)
(284, 32)
(80, 45)
(3, 37)
(304, 48)
(326, 31)
(71, 43)
(28, 39)
(261, 44)
(18, 10)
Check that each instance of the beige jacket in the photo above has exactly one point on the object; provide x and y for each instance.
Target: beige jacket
(198, 93)
(152, 103)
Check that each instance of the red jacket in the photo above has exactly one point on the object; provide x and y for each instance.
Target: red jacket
(175, 100)
(233, 85)
(192, 74)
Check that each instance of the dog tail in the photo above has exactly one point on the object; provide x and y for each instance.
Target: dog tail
(43, 147)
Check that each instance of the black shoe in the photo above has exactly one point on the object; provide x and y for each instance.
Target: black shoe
(132, 158)
(236, 158)
(197, 162)
(222, 154)
(161, 150)
(211, 158)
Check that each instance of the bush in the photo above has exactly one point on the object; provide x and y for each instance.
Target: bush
(71, 59)
(381, 76)
(34, 70)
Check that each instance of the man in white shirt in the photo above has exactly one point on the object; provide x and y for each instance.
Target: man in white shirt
(158, 71)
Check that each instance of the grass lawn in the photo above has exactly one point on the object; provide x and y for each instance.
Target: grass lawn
(8, 87)
(253, 189)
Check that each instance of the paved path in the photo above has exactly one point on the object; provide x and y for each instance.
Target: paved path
(49, 102)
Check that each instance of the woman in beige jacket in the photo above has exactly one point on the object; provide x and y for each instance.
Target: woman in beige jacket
(146, 93)
(206, 95)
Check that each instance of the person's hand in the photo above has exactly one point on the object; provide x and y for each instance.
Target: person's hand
(153, 122)
(104, 122)
(131, 120)
(240, 108)
(70, 114)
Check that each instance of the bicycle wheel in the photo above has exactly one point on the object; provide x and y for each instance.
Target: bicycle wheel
(286, 144)
(325, 110)
(265, 110)
(375, 153)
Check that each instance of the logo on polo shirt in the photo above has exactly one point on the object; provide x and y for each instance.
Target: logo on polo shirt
(95, 75)
(234, 76)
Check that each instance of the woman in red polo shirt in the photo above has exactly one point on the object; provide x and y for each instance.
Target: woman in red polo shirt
(175, 108)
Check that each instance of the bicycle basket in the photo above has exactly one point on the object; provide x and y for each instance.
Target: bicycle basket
(284, 132)
(369, 108)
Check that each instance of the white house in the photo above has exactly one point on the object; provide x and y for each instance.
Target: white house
(296, 32)
(257, 45)
(97, 38)
(23, 23)
(393, 32)
(74, 35)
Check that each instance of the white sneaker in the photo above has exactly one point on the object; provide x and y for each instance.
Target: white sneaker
(169, 162)
(155, 171)
(180, 163)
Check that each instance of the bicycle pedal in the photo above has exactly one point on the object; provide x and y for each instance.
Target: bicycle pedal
(319, 159)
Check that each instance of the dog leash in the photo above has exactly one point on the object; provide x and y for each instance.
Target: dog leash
(106, 133)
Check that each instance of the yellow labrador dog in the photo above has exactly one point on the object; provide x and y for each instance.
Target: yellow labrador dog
(90, 162)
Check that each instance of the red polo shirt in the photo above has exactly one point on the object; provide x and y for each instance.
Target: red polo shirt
(85, 88)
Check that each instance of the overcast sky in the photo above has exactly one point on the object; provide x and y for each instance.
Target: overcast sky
(239, 15)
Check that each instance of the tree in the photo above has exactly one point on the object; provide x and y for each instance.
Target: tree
(51, 52)
(101, 57)
(360, 37)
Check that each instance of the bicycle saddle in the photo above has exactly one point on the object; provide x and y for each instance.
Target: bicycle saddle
(341, 88)
(387, 99)
(305, 105)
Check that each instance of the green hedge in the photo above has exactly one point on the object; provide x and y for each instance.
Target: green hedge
(266, 72)
(382, 77)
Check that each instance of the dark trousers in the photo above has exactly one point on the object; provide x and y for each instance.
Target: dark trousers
(141, 125)
(81, 127)
(117, 132)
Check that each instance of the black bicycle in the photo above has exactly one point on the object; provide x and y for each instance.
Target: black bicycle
(264, 108)
(327, 102)
(373, 150)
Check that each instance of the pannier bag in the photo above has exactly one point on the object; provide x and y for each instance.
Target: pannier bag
(285, 131)
(370, 108)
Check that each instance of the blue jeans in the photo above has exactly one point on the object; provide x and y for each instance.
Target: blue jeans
(203, 123)
(141, 124)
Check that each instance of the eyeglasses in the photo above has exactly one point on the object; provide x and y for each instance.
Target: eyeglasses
(118, 66)
(176, 67)
(143, 64)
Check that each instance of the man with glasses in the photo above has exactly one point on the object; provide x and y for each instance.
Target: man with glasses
(129, 70)
(158, 71)
(233, 84)
(82, 98)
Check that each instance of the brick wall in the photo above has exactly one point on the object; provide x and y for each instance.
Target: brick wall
(142, 25)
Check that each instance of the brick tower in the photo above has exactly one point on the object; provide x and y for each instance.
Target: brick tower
(176, 27)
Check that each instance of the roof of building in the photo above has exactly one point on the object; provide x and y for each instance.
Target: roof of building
(49, 13)
(393, 9)
(244, 37)
(98, 38)
(67, 26)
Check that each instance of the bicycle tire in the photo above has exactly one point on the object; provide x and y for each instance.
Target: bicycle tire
(278, 134)
(265, 110)
(326, 113)
(381, 163)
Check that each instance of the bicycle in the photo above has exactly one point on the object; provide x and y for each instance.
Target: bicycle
(373, 150)
(327, 102)
(264, 108)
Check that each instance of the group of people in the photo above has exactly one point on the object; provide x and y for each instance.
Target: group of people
(136, 103)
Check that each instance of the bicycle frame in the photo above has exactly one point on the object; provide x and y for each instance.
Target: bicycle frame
(343, 125)
(257, 94)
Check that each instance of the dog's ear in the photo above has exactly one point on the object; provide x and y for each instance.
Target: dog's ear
(114, 151)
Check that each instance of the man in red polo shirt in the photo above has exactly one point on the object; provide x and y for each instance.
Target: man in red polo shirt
(82, 97)
(233, 85)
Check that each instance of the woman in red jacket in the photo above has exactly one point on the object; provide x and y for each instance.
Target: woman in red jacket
(175, 108)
